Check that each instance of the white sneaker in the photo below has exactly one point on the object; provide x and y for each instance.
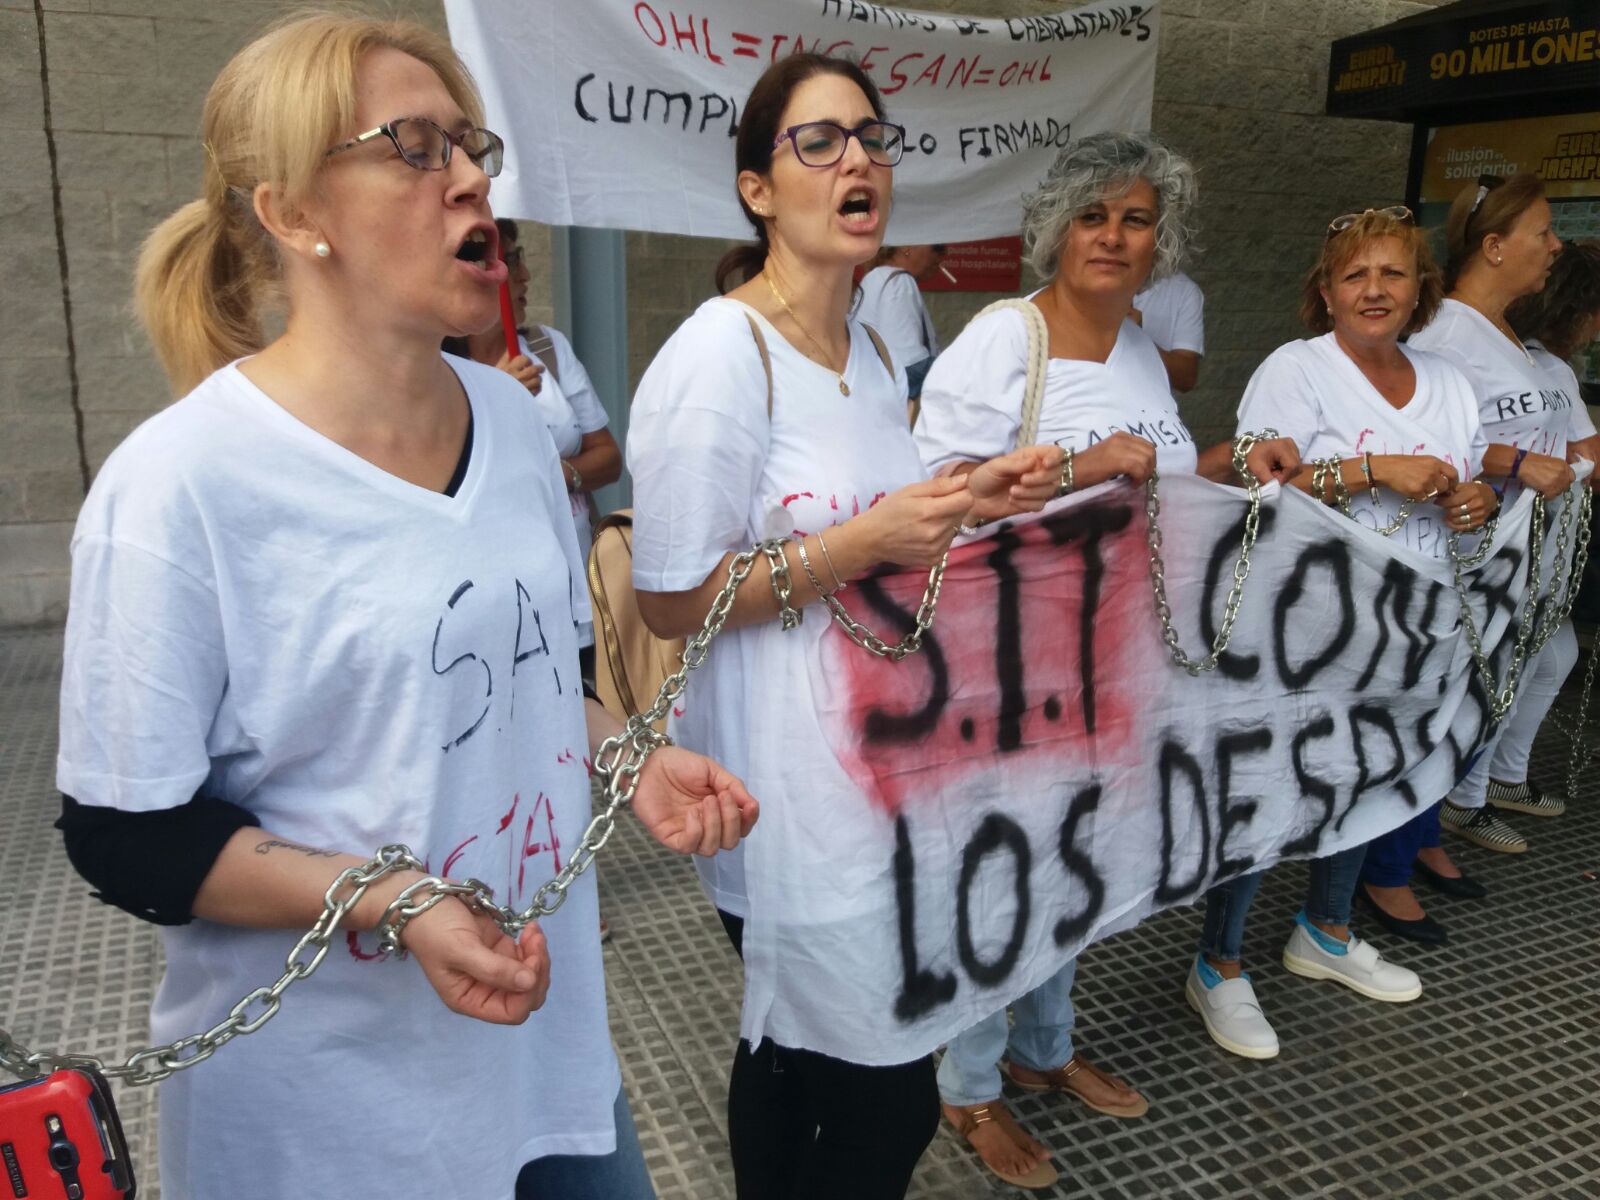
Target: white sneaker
(1231, 1014)
(1360, 968)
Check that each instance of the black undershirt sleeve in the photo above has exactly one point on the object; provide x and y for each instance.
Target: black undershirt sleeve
(150, 864)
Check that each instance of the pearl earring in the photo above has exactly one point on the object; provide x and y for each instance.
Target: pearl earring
(323, 249)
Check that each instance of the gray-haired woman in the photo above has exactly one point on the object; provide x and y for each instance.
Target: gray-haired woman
(1113, 212)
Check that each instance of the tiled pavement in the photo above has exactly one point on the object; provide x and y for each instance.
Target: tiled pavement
(1489, 1086)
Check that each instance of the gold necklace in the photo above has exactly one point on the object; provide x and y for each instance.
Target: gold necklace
(844, 388)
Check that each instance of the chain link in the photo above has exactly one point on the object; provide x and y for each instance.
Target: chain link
(1578, 735)
(617, 763)
(158, 1062)
(1502, 697)
(1534, 629)
(1242, 445)
(912, 641)
(1326, 470)
(1556, 616)
(619, 760)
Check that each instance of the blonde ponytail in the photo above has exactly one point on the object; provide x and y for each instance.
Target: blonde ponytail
(197, 294)
(207, 271)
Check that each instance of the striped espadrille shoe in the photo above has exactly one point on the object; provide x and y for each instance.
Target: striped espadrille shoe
(1527, 797)
(1482, 828)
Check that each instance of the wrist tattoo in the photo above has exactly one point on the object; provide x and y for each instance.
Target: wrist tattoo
(270, 844)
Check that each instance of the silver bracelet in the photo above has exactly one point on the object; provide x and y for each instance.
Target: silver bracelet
(805, 563)
(838, 580)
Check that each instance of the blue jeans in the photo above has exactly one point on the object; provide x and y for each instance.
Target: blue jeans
(1329, 891)
(620, 1175)
(1390, 857)
(1041, 1039)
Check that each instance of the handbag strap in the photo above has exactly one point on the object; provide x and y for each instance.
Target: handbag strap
(883, 351)
(1038, 357)
(766, 356)
(543, 348)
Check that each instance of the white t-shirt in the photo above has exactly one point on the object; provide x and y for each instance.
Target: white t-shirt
(1520, 404)
(891, 302)
(1312, 392)
(972, 398)
(712, 474)
(1563, 384)
(259, 612)
(570, 409)
(1173, 311)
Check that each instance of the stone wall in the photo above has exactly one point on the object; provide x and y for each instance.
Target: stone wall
(101, 113)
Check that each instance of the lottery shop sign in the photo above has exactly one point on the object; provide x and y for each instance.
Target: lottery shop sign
(1421, 63)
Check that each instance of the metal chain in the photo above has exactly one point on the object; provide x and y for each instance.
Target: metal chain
(619, 760)
(1575, 730)
(1485, 543)
(1533, 632)
(912, 641)
(1502, 697)
(1579, 735)
(1242, 445)
(159, 1062)
(617, 763)
(1324, 471)
(1556, 616)
(1323, 468)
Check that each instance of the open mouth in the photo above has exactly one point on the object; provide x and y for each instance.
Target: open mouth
(857, 206)
(475, 249)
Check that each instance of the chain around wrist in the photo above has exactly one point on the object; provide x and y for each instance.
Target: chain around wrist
(416, 898)
(574, 476)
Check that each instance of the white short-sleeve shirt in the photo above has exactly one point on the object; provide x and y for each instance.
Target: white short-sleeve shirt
(1312, 392)
(1173, 311)
(1562, 382)
(891, 302)
(570, 409)
(712, 473)
(260, 613)
(972, 398)
(1521, 403)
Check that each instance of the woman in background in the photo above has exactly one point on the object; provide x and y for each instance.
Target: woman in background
(1500, 249)
(565, 398)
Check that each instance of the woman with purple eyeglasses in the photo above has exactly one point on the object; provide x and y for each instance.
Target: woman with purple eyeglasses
(770, 412)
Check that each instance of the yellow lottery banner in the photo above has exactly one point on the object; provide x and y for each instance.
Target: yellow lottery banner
(1564, 151)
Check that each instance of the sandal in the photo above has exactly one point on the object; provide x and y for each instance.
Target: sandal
(1071, 1079)
(966, 1119)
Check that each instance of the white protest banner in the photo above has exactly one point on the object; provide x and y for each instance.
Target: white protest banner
(622, 114)
(941, 835)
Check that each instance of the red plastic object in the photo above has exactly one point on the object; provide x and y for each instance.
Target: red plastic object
(60, 1138)
(508, 322)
